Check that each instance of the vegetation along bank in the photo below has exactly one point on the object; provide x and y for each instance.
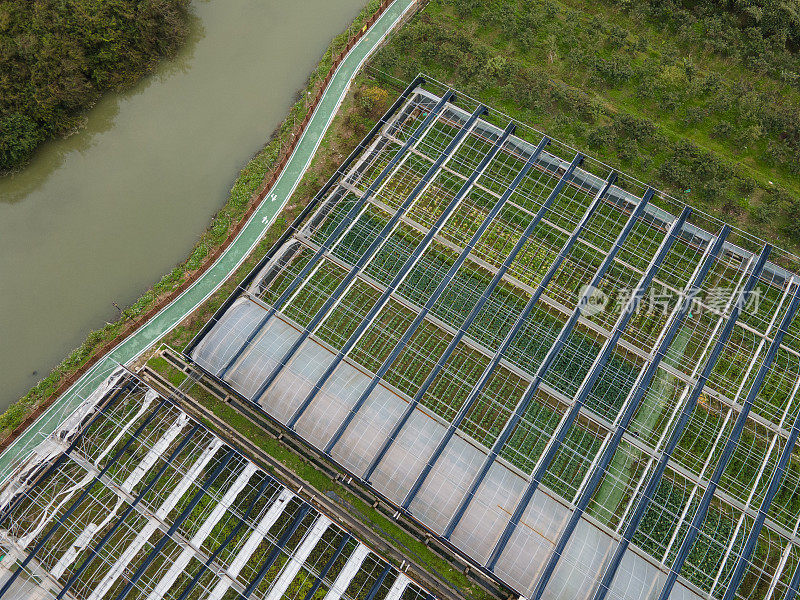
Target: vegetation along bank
(58, 56)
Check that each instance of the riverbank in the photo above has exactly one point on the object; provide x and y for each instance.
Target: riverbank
(60, 57)
(160, 157)
(242, 196)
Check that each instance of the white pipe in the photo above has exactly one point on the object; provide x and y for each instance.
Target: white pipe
(180, 564)
(251, 544)
(398, 587)
(154, 453)
(152, 525)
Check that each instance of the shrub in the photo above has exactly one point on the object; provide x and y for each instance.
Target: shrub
(371, 98)
(722, 130)
(603, 136)
(19, 136)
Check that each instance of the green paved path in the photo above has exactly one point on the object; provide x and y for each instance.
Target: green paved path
(154, 329)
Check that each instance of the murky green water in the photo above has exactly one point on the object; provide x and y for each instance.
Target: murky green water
(96, 218)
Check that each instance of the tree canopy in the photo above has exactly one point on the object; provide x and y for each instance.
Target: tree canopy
(58, 56)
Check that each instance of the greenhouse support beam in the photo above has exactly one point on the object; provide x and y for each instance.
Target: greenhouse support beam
(674, 413)
(155, 452)
(688, 384)
(234, 532)
(484, 379)
(727, 454)
(754, 488)
(328, 566)
(83, 495)
(654, 481)
(787, 551)
(636, 395)
(592, 416)
(338, 231)
(415, 256)
(487, 292)
(276, 550)
(347, 187)
(373, 592)
(487, 373)
(198, 496)
(131, 507)
(443, 284)
(621, 262)
(547, 361)
(582, 394)
(63, 456)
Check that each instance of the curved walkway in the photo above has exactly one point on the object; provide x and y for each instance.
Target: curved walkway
(233, 256)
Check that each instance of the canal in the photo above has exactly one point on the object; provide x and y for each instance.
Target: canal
(98, 217)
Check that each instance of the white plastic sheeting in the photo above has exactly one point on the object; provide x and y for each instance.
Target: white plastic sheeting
(295, 562)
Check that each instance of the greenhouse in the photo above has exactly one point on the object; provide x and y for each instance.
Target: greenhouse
(132, 498)
(578, 384)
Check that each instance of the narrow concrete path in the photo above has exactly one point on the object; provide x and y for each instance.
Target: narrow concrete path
(244, 243)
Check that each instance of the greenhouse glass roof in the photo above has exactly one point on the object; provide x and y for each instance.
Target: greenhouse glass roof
(133, 498)
(581, 385)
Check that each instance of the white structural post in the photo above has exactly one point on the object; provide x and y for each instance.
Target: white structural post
(147, 401)
(398, 587)
(152, 525)
(154, 453)
(761, 471)
(198, 538)
(781, 564)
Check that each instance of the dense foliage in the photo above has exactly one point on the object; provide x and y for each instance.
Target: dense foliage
(703, 101)
(58, 56)
(765, 33)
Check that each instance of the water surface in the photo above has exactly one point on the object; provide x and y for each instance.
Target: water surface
(98, 217)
